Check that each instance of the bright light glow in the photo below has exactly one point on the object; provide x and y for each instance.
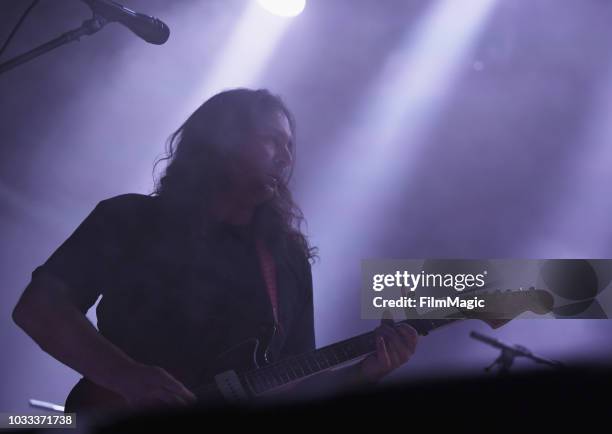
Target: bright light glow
(283, 8)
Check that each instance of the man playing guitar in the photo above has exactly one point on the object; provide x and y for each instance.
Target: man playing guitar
(213, 257)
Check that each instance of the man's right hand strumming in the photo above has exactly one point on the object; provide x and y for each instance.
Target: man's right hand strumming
(44, 313)
(147, 386)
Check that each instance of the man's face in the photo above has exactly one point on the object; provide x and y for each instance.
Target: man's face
(263, 159)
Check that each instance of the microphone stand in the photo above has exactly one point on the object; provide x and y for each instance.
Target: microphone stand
(509, 353)
(89, 27)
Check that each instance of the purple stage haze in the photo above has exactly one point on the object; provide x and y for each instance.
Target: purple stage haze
(499, 147)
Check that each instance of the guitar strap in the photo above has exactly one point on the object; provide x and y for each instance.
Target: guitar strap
(268, 270)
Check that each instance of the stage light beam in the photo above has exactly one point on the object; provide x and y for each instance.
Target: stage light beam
(386, 136)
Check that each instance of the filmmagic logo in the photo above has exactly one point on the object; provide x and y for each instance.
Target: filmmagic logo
(413, 281)
(430, 302)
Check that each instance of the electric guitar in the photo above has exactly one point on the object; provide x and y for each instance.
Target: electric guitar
(244, 372)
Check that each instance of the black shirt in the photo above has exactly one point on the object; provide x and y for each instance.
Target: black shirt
(176, 299)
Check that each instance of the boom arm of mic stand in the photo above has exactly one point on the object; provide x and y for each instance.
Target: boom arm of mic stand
(89, 27)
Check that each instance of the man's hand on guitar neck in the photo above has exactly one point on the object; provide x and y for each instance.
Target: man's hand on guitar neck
(395, 344)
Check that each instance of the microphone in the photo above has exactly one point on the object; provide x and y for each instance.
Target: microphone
(146, 27)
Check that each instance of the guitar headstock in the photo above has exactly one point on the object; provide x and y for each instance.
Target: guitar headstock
(503, 306)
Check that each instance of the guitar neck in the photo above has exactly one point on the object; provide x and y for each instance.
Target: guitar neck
(304, 365)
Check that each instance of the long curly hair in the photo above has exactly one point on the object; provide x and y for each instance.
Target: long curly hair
(197, 157)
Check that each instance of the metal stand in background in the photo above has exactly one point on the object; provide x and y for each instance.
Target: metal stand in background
(509, 353)
(88, 27)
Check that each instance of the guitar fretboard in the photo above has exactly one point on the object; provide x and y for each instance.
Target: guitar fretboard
(307, 364)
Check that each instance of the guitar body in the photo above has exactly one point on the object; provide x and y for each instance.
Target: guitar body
(87, 396)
